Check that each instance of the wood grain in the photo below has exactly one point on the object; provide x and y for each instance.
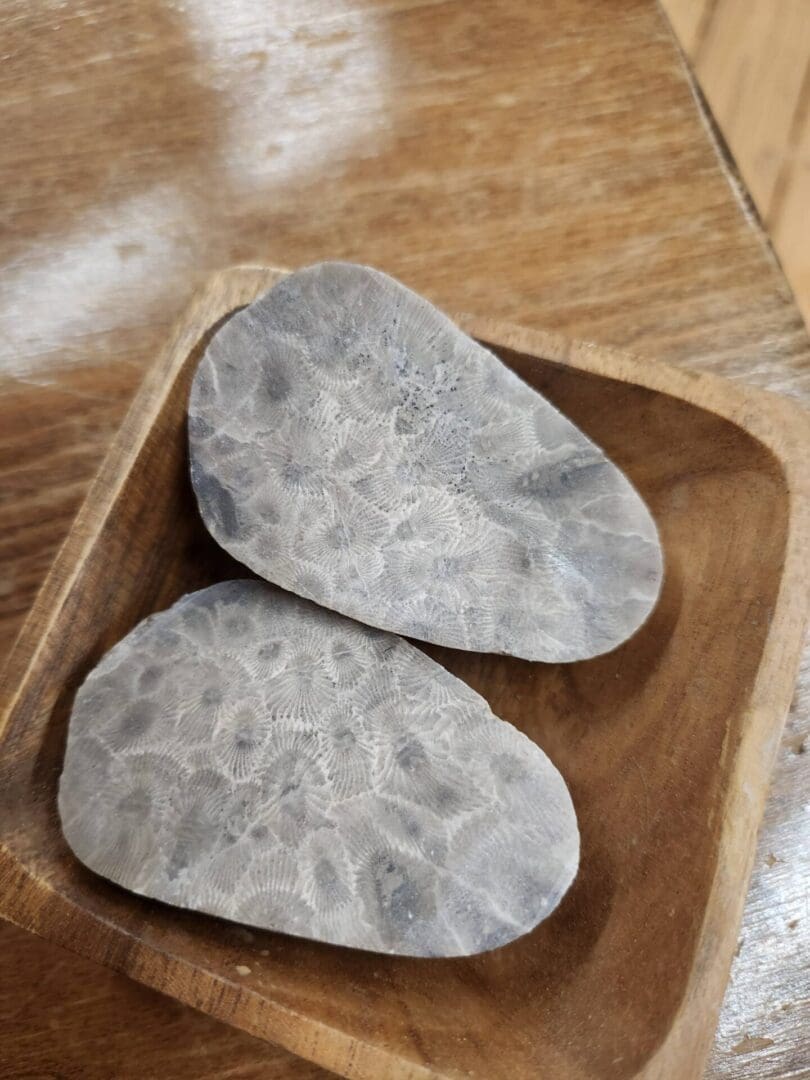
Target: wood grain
(752, 59)
(668, 811)
(539, 162)
(63, 1016)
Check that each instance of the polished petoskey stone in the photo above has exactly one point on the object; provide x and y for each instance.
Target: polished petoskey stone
(352, 445)
(253, 756)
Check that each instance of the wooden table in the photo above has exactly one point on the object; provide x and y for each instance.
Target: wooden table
(544, 163)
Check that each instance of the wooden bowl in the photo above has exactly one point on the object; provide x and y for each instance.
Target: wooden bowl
(667, 744)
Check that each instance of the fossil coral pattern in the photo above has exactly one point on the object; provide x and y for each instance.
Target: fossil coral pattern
(352, 445)
(253, 756)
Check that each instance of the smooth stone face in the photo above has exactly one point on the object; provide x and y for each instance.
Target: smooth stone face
(349, 443)
(250, 755)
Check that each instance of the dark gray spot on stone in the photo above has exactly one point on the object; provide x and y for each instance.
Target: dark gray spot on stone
(216, 502)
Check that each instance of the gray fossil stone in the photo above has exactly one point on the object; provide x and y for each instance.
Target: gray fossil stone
(253, 756)
(351, 444)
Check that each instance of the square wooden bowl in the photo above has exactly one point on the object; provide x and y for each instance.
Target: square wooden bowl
(667, 743)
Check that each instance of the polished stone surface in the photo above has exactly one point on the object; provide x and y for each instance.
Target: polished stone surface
(349, 443)
(253, 756)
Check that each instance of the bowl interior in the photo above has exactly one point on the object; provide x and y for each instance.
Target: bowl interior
(642, 735)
